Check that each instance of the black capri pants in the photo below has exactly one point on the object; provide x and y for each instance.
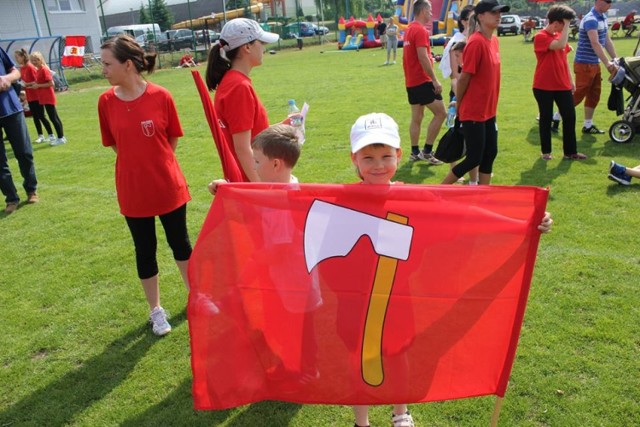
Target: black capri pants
(143, 231)
(481, 139)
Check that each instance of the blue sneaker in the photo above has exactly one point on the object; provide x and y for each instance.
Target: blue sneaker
(618, 173)
(617, 168)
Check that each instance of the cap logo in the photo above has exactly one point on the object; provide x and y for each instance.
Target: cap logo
(373, 123)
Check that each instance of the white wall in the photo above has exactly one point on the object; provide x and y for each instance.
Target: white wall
(17, 21)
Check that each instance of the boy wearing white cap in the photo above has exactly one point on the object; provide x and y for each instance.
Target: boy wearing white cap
(376, 152)
(240, 113)
(375, 148)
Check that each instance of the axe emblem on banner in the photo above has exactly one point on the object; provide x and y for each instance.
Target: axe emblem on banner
(331, 231)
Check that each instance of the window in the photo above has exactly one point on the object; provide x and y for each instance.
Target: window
(65, 5)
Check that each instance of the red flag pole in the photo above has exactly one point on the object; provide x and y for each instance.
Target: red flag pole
(496, 411)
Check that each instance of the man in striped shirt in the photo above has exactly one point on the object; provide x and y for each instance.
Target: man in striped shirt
(593, 40)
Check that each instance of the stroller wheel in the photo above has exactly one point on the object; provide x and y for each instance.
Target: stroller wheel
(621, 131)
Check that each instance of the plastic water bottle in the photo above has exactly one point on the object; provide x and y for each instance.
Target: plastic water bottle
(451, 116)
(294, 114)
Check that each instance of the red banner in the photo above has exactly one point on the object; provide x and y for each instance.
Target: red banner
(230, 168)
(359, 294)
(73, 55)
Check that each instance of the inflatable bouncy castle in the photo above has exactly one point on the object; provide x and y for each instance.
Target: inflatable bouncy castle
(358, 34)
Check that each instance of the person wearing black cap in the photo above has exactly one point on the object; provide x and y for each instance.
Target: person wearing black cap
(478, 90)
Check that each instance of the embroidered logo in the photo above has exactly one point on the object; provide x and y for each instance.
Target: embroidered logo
(148, 128)
(221, 124)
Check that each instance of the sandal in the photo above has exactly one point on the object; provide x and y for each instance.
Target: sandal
(402, 420)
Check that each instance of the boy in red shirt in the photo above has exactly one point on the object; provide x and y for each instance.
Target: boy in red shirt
(553, 82)
(423, 87)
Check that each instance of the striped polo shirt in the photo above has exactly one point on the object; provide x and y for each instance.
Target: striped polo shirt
(591, 21)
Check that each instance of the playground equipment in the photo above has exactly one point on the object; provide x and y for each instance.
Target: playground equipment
(441, 30)
(255, 7)
(357, 39)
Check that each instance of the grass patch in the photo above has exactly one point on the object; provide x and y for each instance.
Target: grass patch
(75, 349)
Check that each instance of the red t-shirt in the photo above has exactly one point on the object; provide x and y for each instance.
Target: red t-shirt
(481, 59)
(46, 95)
(149, 181)
(29, 74)
(415, 36)
(628, 20)
(552, 71)
(239, 109)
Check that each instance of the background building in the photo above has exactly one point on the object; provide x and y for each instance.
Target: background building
(42, 18)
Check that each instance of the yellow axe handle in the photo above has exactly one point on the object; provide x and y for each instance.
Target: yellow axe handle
(372, 371)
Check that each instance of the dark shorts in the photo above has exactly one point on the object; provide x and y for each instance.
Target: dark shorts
(423, 94)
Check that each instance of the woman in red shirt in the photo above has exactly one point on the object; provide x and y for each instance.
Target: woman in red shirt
(46, 95)
(28, 74)
(478, 91)
(139, 121)
(242, 116)
(553, 82)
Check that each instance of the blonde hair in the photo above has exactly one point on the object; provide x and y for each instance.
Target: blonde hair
(37, 55)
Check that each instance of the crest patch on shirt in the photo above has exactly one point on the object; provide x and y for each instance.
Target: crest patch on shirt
(148, 128)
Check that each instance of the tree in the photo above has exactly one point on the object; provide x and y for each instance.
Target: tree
(158, 14)
(144, 19)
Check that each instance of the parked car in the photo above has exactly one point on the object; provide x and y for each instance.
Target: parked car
(182, 39)
(302, 29)
(510, 24)
(163, 42)
(175, 40)
(320, 30)
(202, 34)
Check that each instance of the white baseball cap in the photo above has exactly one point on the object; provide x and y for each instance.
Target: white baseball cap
(374, 128)
(240, 31)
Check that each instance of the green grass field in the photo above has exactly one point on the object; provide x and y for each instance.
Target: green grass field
(75, 348)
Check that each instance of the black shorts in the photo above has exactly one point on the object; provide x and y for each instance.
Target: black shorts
(423, 94)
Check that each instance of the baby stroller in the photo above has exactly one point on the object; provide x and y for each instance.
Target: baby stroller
(627, 78)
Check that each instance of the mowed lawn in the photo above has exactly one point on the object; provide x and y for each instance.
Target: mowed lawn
(75, 348)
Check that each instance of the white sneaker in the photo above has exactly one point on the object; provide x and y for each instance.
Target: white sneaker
(402, 420)
(158, 319)
(59, 141)
(386, 63)
(52, 138)
(40, 139)
(393, 62)
(429, 158)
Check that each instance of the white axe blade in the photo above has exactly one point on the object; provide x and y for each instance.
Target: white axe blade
(332, 230)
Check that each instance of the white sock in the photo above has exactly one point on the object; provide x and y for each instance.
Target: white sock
(588, 123)
(556, 116)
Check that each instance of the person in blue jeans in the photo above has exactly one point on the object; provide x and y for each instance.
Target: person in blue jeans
(14, 127)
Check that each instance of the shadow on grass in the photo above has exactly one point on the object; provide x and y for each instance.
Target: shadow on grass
(178, 406)
(58, 403)
(541, 174)
(614, 189)
(409, 175)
